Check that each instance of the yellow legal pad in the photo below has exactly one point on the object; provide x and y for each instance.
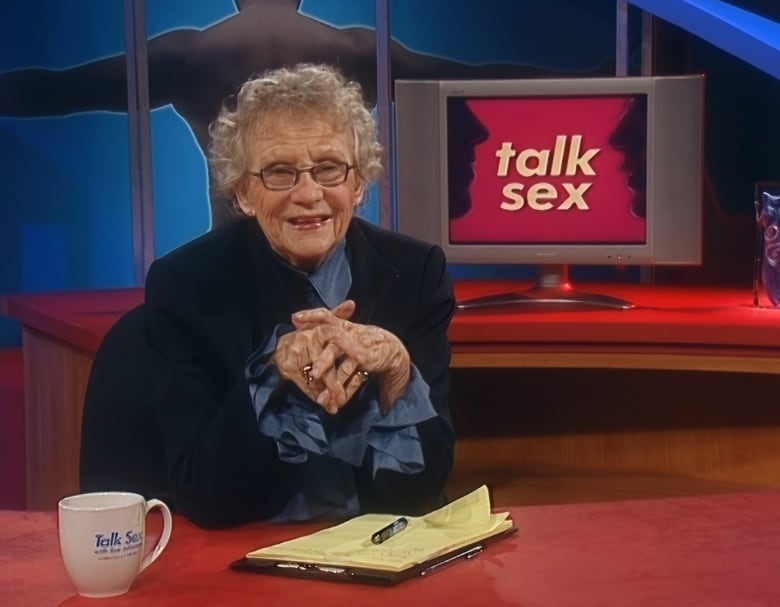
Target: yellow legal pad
(345, 552)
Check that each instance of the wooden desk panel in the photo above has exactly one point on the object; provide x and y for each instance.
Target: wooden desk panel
(55, 382)
(61, 333)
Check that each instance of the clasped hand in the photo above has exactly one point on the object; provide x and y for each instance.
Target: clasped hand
(329, 357)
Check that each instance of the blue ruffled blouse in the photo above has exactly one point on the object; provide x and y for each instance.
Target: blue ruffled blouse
(326, 448)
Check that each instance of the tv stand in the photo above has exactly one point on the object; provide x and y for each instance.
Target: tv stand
(552, 291)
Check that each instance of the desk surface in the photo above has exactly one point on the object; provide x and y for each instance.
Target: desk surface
(672, 327)
(714, 551)
(79, 318)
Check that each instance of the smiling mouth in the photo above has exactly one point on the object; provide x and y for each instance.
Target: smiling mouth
(309, 223)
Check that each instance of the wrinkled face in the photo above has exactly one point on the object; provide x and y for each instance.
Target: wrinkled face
(305, 223)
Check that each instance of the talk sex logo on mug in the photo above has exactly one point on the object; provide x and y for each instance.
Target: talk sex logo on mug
(102, 540)
(117, 543)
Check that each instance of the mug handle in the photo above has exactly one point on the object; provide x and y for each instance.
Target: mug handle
(164, 537)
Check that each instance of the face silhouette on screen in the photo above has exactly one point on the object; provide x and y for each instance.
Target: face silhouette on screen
(630, 137)
(464, 133)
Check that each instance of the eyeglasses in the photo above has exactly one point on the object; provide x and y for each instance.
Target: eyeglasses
(279, 177)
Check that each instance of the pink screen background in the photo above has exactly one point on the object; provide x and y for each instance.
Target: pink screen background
(535, 123)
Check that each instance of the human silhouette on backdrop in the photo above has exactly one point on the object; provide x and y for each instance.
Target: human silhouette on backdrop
(195, 70)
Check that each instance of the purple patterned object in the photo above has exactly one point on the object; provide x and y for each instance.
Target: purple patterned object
(769, 220)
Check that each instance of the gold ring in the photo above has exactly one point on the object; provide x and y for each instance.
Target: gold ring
(362, 377)
(306, 372)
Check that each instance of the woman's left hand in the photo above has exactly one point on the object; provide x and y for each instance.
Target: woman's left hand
(351, 352)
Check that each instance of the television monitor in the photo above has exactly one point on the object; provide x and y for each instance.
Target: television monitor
(552, 173)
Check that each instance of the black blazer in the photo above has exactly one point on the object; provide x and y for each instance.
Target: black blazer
(210, 304)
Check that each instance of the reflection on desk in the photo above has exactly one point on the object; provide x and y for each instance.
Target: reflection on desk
(714, 551)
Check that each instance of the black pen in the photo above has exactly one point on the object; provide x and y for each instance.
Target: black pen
(385, 533)
(466, 554)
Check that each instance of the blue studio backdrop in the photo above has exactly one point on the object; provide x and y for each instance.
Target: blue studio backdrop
(65, 183)
(66, 218)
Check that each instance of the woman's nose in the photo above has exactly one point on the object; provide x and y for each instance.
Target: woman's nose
(306, 190)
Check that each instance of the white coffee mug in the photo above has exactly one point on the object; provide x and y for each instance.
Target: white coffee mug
(102, 540)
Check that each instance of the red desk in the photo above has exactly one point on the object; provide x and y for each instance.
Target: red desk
(705, 551)
(697, 328)
(672, 328)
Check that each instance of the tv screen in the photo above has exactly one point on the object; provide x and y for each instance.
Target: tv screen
(596, 171)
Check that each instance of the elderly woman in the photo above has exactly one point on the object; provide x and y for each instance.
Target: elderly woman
(301, 352)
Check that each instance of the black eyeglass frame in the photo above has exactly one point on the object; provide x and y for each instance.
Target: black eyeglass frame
(296, 172)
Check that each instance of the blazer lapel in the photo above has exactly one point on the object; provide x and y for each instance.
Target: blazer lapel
(372, 275)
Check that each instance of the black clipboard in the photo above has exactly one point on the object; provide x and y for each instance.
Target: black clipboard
(361, 575)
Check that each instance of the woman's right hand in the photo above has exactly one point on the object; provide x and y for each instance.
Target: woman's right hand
(298, 352)
(350, 352)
